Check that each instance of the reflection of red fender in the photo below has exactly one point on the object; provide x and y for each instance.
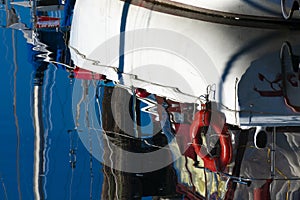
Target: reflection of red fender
(84, 74)
(263, 193)
(142, 93)
(217, 122)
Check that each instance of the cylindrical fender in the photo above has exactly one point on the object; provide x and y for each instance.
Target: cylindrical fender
(142, 93)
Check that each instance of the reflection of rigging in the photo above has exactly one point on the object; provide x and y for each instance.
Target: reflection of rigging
(117, 176)
(40, 136)
(82, 105)
(158, 183)
(72, 156)
(3, 187)
(161, 183)
(41, 148)
(38, 142)
(47, 49)
(15, 114)
(235, 177)
(48, 46)
(11, 18)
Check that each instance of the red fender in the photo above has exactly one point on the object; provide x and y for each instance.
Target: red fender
(84, 74)
(142, 93)
(202, 119)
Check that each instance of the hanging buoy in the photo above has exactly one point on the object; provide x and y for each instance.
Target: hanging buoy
(205, 118)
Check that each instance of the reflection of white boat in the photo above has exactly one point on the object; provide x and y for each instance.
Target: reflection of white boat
(178, 57)
(252, 8)
(271, 94)
(291, 77)
(39, 14)
(229, 8)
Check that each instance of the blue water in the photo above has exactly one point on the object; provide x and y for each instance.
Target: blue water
(59, 179)
(67, 169)
(46, 150)
(17, 131)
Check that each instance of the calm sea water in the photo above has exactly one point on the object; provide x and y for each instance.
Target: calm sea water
(65, 169)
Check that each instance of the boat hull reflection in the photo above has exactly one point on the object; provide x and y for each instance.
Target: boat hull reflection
(179, 57)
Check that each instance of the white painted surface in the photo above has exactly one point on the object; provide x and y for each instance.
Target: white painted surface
(214, 51)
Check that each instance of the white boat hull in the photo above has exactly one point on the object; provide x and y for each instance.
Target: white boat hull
(173, 56)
